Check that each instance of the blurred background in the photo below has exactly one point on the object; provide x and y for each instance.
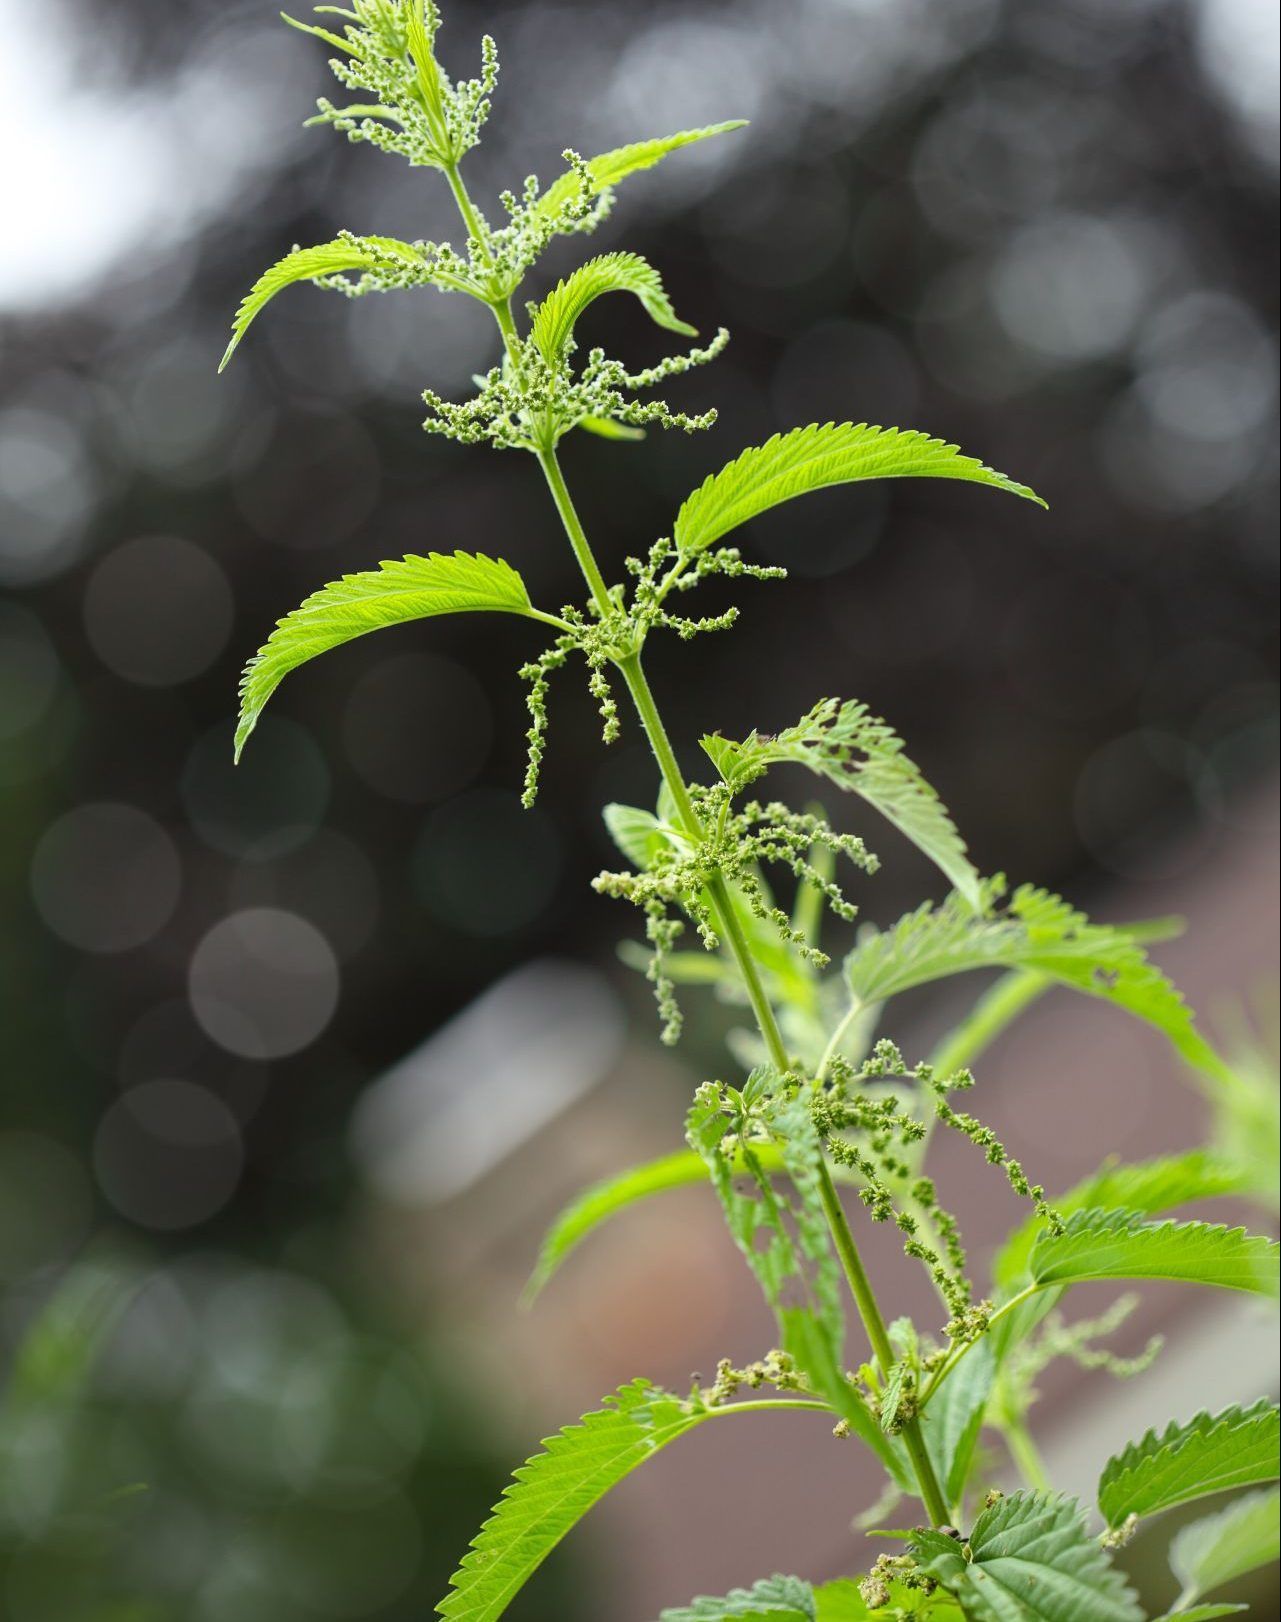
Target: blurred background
(299, 1058)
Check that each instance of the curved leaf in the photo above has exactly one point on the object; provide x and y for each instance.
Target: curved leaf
(1240, 1447)
(1120, 1245)
(328, 259)
(1030, 1559)
(773, 1599)
(553, 1490)
(813, 458)
(1005, 999)
(609, 168)
(408, 589)
(1037, 931)
(638, 834)
(1223, 1547)
(830, 741)
(1149, 1187)
(606, 1199)
(555, 318)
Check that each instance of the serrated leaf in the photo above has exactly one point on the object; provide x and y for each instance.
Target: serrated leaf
(783, 1238)
(1037, 931)
(814, 458)
(1149, 1187)
(861, 754)
(1220, 1548)
(609, 168)
(1121, 1245)
(410, 588)
(773, 1599)
(1030, 1559)
(554, 319)
(1005, 999)
(556, 1488)
(1239, 1447)
(305, 264)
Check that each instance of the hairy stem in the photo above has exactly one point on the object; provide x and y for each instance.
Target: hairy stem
(870, 1313)
(729, 927)
(721, 900)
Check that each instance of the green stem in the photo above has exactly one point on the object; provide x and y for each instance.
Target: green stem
(722, 905)
(585, 557)
(729, 927)
(878, 1336)
(760, 1405)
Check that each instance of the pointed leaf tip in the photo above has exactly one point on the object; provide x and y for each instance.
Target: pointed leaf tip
(397, 591)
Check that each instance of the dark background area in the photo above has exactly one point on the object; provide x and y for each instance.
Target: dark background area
(1047, 231)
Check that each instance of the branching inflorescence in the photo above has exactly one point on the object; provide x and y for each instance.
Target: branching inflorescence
(822, 1102)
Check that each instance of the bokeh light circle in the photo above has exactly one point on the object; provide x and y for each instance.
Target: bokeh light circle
(168, 1154)
(158, 610)
(417, 727)
(106, 877)
(329, 880)
(263, 983)
(269, 803)
(48, 487)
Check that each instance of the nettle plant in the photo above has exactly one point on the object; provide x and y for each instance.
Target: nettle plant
(810, 1100)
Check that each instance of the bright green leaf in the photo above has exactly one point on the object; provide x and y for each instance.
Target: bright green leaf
(556, 1488)
(606, 1199)
(408, 589)
(329, 259)
(611, 167)
(555, 318)
(852, 748)
(1240, 1447)
(1220, 1548)
(1030, 1560)
(773, 1599)
(840, 1601)
(1120, 1245)
(1005, 999)
(607, 428)
(813, 458)
(324, 34)
(638, 834)
(1149, 1186)
(1037, 931)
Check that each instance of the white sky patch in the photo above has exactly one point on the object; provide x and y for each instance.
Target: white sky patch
(98, 172)
(1238, 42)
